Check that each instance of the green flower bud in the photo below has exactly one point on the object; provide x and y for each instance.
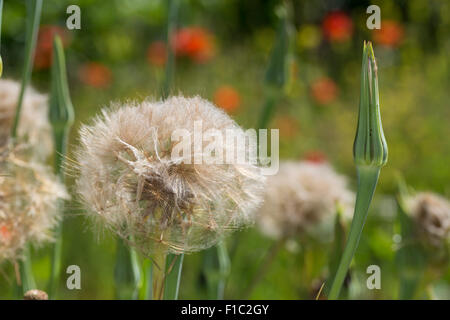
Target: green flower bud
(370, 148)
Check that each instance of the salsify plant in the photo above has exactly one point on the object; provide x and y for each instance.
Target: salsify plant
(370, 154)
(134, 182)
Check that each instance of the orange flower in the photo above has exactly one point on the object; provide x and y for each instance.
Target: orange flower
(227, 98)
(195, 43)
(95, 74)
(337, 26)
(5, 234)
(288, 126)
(315, 156)
(44, 45)
(157, 53)
(324, 90)
(390, 34)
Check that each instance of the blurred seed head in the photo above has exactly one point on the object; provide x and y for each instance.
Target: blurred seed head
(35, 294)
(34, 128)
(29, 194)
(301, 197)
(131, 184)
(431, 213)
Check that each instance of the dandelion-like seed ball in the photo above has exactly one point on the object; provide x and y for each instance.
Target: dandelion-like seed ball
(34, 127)
(134, 181)
(431, 213)
(29, 194)
(300, 197)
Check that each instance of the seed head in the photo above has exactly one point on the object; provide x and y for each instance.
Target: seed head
(431, 213)
(302, 196)
(29, 194)
(132, 184)
(34, 128)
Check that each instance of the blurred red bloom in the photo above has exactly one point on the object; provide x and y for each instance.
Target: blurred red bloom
(337, 26)
(157, 53)
(5, 234)
(195, 43)
(324, 90)
(315, 156)
(95, 74)
(44, 45)
(227, 98)
(390, 34)
(288, 126)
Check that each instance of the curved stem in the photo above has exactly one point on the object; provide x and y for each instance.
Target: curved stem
(367, 181)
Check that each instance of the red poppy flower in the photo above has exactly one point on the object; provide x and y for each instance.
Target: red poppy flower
(227, 98)
(157, 53)
(324, 91)
(5, 234)
(390, 34)
(195, 43)
(337, 26)
(95, 74)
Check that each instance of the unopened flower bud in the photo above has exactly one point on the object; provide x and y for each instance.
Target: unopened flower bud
(370, 148)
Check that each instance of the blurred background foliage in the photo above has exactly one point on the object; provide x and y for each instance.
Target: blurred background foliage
(222, 49)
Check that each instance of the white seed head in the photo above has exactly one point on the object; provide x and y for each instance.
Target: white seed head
(34, 128)
(431, 213)
(129, 180)
(301, 197)
(29, 194)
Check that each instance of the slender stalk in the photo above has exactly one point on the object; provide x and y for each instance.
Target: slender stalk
(170, 64)
(145, 291)
(367, 181)
(264, 266)
(224, 268)
(26, 272)
(34, 8)
(61, 117)
(158, 275)
(126, 272)
(1, 14)
(174, 267)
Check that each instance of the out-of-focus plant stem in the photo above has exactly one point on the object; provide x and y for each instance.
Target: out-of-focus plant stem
(224, 268)
(170, 61)
(26, 273)
(1, 14)
(61, 117)
(126, 272)
(33, 17)
(34, 8)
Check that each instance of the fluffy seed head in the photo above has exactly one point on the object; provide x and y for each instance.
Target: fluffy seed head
(130, 181)
(302, 196)
(34, 128)
(29, 194)
(431, 213)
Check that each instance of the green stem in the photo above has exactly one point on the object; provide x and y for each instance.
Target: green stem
(145, 292)
(174, 267)
(158, 275)
(170, 65)
(224, 268)
(26, 272)
(367, 181)
(126, 272)
(34, 8)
